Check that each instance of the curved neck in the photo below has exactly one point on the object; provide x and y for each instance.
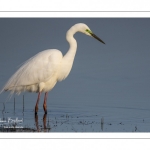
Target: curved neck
(73, 45)
(68, 58)
(72, 42)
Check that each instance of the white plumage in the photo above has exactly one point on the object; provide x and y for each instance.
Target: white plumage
(41, 72)
(38, 74)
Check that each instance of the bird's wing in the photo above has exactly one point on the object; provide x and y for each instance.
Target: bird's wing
(39, 68)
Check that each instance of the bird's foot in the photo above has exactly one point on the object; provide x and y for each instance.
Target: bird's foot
(36, 110)
(45, 111)
(45, 108)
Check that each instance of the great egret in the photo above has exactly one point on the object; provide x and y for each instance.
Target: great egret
(41, 72)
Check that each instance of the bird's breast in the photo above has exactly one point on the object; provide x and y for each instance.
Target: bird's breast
(48, 85)
(64, 70)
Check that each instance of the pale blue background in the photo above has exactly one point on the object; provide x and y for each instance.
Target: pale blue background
(115, 75)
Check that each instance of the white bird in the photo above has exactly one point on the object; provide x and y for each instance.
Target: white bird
(41, 72)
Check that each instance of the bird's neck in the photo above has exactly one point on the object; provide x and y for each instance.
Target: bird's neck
(73, 44)
(68, 58)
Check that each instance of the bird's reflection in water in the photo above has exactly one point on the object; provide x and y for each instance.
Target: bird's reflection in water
(45, 127)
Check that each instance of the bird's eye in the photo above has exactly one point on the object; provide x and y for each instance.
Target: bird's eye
(89, 31)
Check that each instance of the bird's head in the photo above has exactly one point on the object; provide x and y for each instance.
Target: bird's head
(86, 30)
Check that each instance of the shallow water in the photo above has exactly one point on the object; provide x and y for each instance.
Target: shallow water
(73, 118)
